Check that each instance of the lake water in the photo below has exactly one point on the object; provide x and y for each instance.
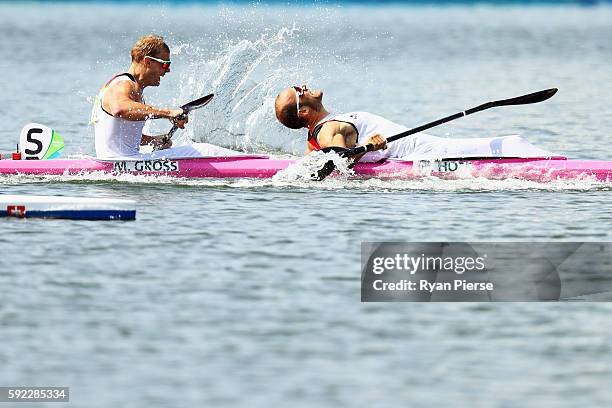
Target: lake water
(247, 293)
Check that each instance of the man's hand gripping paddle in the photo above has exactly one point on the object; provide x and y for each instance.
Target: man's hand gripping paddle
(535, 97)
(191, 106)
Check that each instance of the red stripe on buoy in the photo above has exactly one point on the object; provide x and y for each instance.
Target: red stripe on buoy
(16, 211)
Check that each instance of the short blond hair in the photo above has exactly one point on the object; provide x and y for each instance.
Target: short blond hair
(149, 45)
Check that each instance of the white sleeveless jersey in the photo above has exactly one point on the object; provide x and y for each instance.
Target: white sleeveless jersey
(115, 137)
(424, 146)
(118, 138)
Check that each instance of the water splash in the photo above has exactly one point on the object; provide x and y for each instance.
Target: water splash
(245, 78)
(307, 168)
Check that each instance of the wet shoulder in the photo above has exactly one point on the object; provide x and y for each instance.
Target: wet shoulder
(336, 125)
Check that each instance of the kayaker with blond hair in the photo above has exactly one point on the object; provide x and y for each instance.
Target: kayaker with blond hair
(120, 111)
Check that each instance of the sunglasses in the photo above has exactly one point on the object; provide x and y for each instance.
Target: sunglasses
(165, 64)
(299, 91)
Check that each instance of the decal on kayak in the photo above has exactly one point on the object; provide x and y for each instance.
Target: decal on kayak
(145, 165)
(443, 166)
(40, 142)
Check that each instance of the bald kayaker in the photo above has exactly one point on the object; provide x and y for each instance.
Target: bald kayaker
(299, 107)
(120, 112)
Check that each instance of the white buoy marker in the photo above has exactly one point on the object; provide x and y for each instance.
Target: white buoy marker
(70, 208)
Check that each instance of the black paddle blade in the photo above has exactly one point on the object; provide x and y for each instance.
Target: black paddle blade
(324, 171)
(197, 104)
(529, 98)
(329, 166)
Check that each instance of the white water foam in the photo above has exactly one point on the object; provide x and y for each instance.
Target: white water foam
(307, 168)
(298, 178)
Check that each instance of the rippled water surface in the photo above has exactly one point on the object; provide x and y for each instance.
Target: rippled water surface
(246, 292)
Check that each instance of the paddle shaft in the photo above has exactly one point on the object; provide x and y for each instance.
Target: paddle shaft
(519, 100)
(171, 132)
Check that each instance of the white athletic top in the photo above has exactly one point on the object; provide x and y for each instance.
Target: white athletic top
(424, 146)
(115, 137)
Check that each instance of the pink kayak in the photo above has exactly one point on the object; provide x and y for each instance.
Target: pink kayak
(535, 169)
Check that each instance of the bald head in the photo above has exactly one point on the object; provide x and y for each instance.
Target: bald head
(286, 109)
